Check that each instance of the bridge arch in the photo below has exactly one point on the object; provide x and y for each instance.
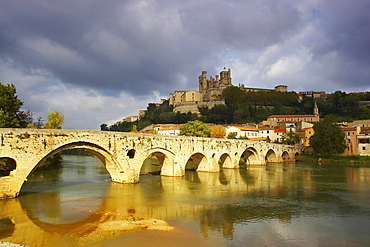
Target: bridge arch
(199, 162)
(285, 156)
(103, 155)
(271, 157)
(164, 156)
(250, 156)
(225, 161)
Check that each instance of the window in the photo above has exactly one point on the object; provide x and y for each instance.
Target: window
(363, 148)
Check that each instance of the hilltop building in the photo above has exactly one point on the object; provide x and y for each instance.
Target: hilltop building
(279, 88)
(210, 93)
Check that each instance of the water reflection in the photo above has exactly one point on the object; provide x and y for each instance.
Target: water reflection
(276, 205)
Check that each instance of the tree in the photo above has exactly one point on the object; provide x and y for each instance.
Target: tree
(10, 114)
(134, 129)
(328, 139)
(218, 131)
(290, 138)
(232, 135)
(233, 96)
(55, 120)
(195, 128)
(103, 127)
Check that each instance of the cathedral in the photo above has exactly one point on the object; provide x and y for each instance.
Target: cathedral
(210, 93)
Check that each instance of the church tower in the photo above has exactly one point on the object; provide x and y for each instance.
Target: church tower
(316, 110)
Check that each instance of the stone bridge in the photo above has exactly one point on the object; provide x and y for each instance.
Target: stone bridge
(123, 153)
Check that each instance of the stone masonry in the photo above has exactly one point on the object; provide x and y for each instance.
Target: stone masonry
(123, 153)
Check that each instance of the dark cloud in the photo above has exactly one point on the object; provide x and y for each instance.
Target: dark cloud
(136, 48)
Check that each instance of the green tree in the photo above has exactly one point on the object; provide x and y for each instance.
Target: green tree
(103, 127)
(195, 128)
(134, 129)
(55, 120)
(232, 135)
(10, 114)
(233, 96)
(290, 138)
(328, 139)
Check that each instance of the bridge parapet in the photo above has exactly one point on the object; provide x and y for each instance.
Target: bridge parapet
(123, 153)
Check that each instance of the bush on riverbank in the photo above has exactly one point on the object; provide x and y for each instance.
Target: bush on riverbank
(351, 159)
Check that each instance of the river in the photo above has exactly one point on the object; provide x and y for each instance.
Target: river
(277, 205)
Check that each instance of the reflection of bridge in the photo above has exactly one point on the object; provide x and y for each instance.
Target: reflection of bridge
(178, 199)
(123, 154)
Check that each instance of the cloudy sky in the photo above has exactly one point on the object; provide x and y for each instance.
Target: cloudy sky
(100, 61)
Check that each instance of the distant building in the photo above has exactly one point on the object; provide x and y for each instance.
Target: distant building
(131, 119)
(297, 118)
(210, 93)
(312, 94)
(279, 88)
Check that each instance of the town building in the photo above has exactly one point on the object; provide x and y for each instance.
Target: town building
(305, 135)
(297, 118)
(267, 132)
(168, 129)
(357, 141)
(243, 131)
(279, 133)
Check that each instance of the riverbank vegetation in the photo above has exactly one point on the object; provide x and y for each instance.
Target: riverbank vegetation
(350, 159)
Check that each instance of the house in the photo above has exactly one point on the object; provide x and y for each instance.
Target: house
(279, 133)
(305, 135)
(357, 141)
(168, 129)
(266, 132)
(242, 131)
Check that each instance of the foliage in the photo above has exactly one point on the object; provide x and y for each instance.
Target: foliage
(328, 139)
(103, 127)
(290, 138)
(55, 120)
(344, 107)
(6, 166)
(232, 135)
(253, 107)
(134, 129)
(195, 128)
(10, 114)
(233, 96)
(218, 131)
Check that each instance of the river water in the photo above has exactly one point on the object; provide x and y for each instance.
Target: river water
(281, 205)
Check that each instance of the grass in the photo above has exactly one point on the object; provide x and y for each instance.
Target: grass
(351, 159)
